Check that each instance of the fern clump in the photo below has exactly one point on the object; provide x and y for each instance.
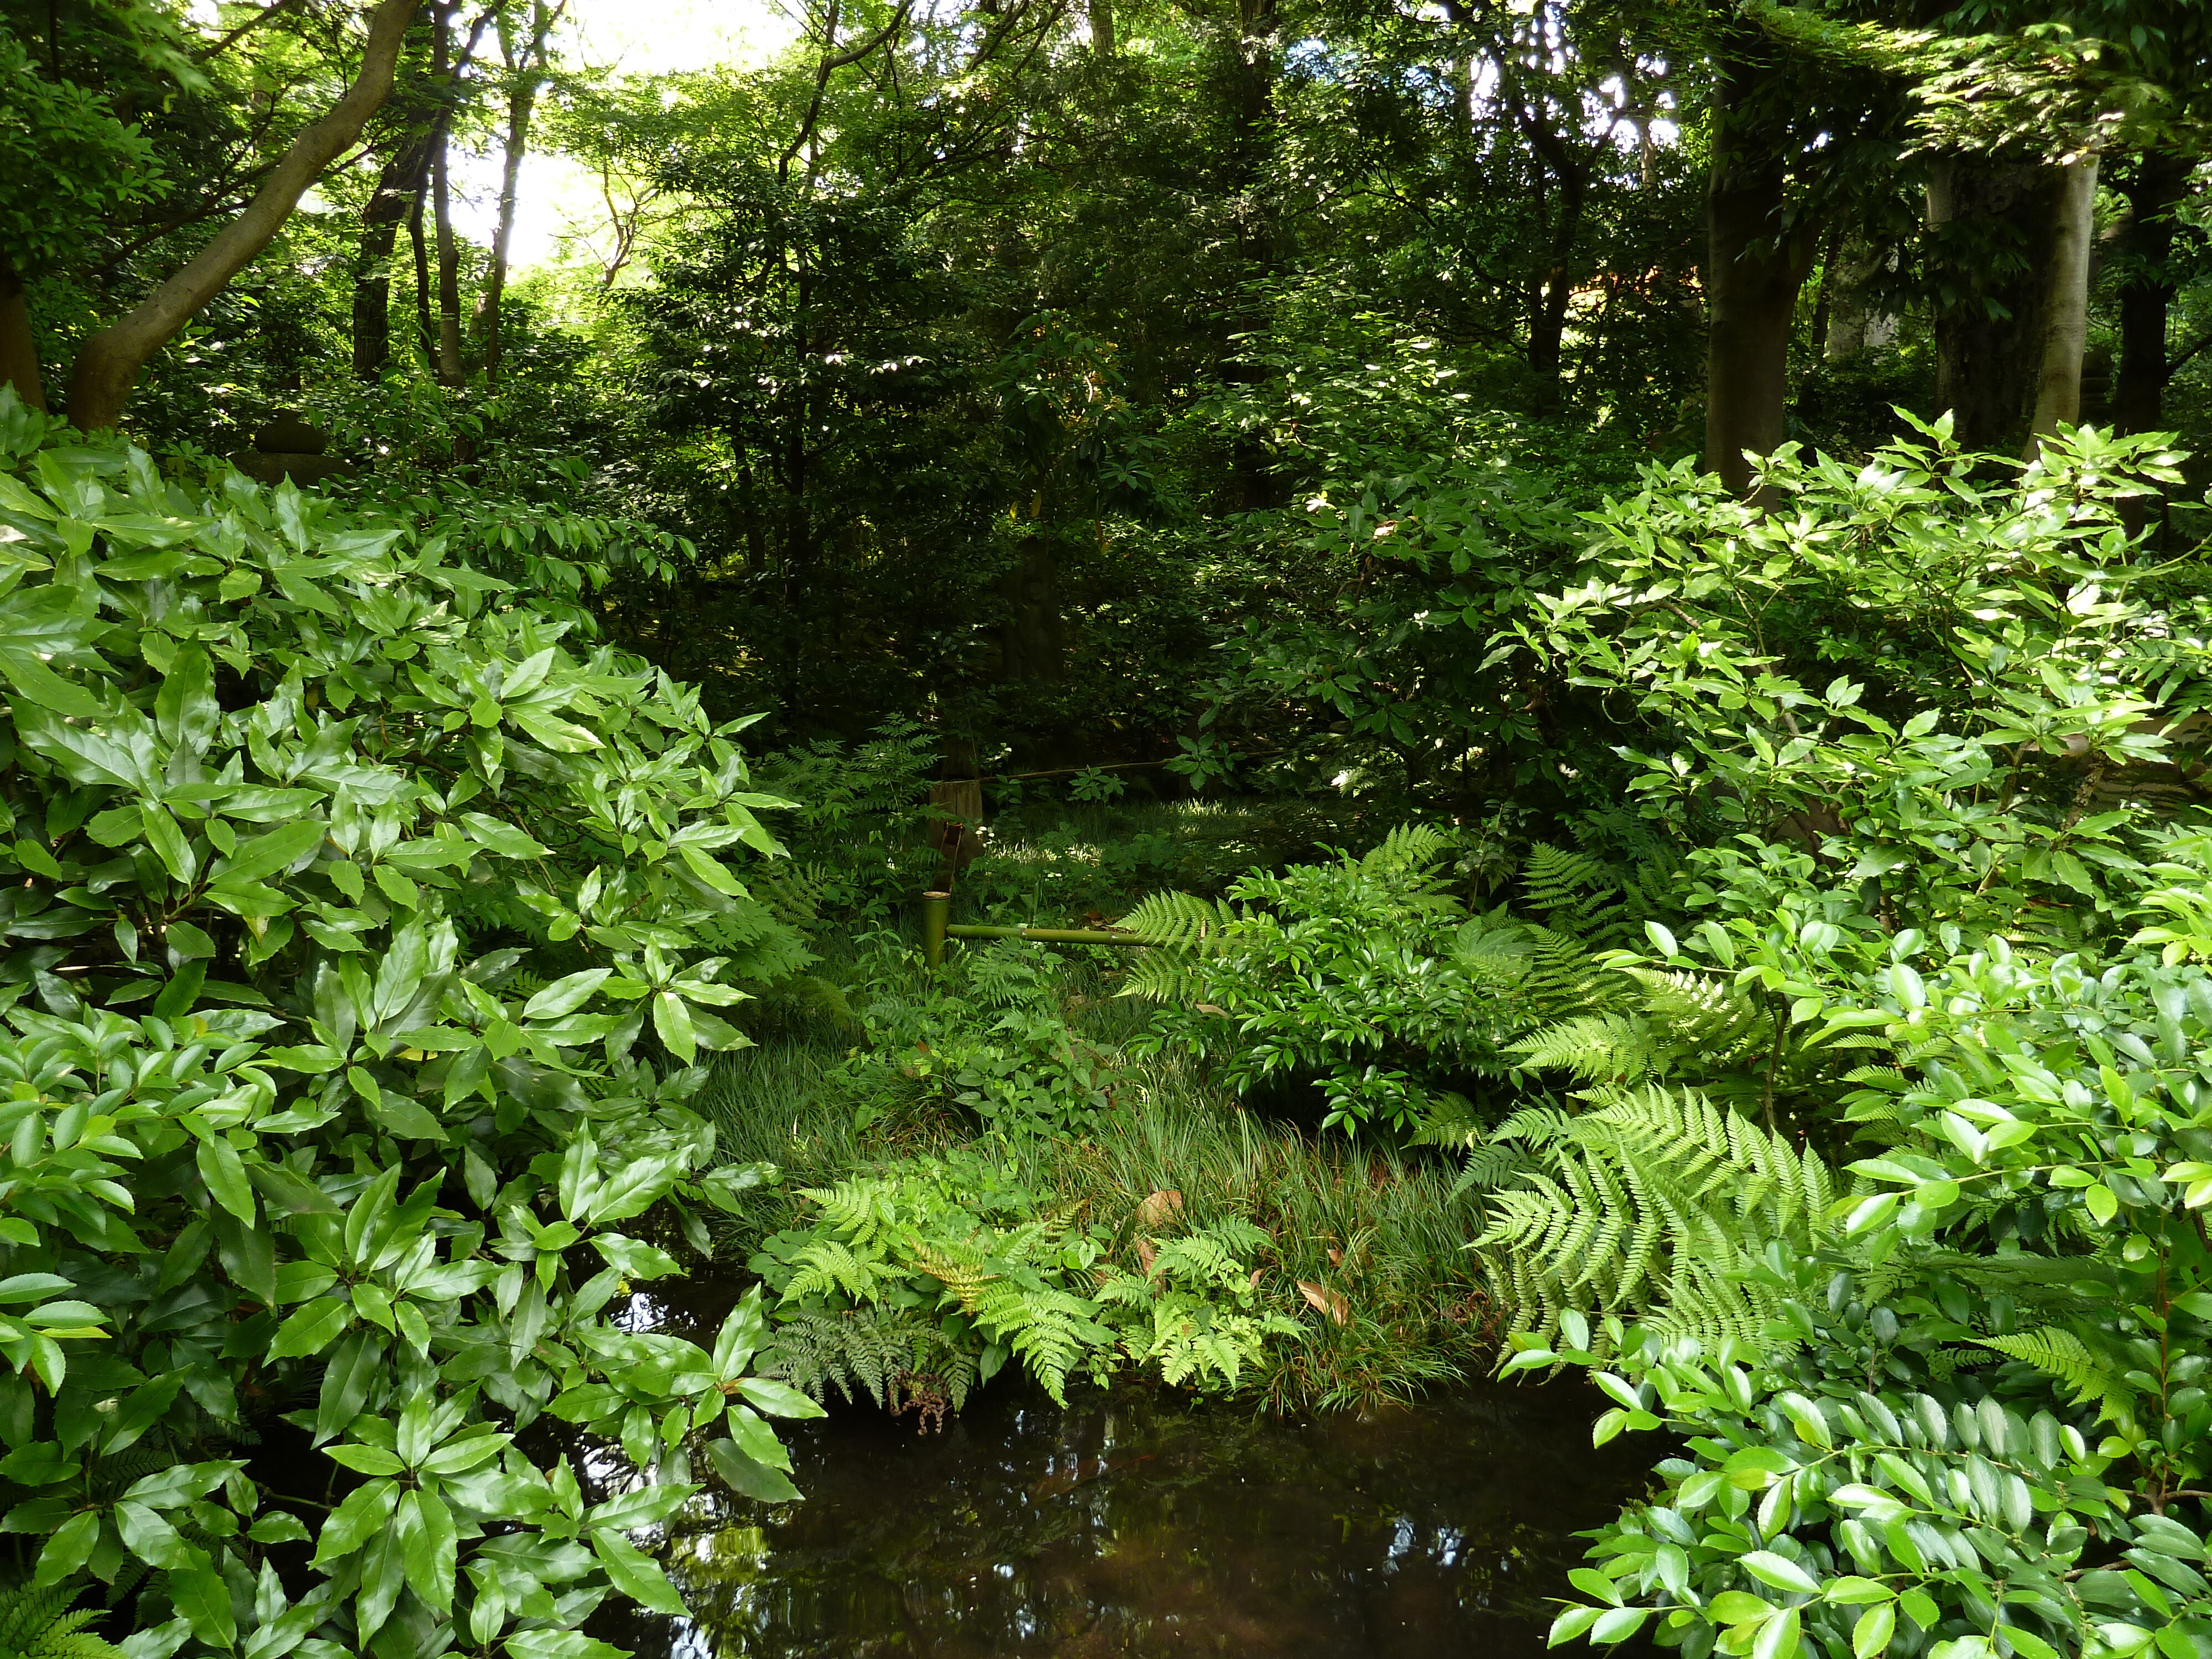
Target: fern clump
(1374, 974)
(901, 1359)
(931, 1277)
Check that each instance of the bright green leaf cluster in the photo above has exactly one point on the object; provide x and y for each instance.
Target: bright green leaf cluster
(361, 939)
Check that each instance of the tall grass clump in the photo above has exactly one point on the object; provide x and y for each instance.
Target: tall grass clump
(1368, 1242)
(1364, 1246)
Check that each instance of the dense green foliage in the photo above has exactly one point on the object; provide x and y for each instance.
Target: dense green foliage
(322, 1067)
(1605, 597)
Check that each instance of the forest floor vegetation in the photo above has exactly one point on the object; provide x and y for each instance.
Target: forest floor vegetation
(1020, 1065)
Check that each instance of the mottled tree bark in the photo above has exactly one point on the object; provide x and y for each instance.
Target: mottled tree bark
(2065, 328)
(1989, 341)
(1853, 323)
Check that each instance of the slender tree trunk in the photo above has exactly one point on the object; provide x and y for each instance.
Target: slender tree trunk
(426, 330)
(521, 100)
(2066, 302)
(1993, 223)
(452, 370)
(1245, 178)
(1548, 322)
(2157, 186)
(1825, 302)
(397, 187)
(442, 339)
(19, 347)
(1102, 28)
(107, 365)
(488, 319)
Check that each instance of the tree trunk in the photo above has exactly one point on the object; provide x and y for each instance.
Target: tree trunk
(1033, 645)
(441, 340)
(521, 100)
(1547, 320)
(426, 331)
(2065, 302)
(107, 365)
(19, 347)
(1754, 264)
(397, 187)
(2158, 184)
(1853, 325)
(1254, 104)
(452, 370)
(1993, 223)
(1102, 28)
(1824, 302)
(494, 292)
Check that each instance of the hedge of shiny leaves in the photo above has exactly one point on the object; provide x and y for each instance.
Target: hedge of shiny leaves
(2051, 1137)
(1872, 1523)
(360, 938)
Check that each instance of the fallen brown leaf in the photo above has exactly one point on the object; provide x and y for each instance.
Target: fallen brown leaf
(1145, 1253)
(1324, 1300)
(1158, 1206)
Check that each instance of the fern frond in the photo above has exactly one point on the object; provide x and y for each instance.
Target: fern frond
(793, 893)
(1179, 921)
(828, 1267)
(37, 1624)
(1596, 1047)
(1161, 976)
(1409, 848)
(1490, 1168)
(1655, 1201)
(1198, 1260)
(1576, 894)
(877, 1350)
(1562, 981)
(2062, 1355)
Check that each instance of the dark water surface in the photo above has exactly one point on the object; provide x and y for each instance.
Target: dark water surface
(1134, 1524)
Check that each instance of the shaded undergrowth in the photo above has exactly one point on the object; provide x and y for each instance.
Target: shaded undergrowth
(1366, 1245)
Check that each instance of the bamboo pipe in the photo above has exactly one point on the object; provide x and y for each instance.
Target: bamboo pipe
(936, 926)
(1049, 935)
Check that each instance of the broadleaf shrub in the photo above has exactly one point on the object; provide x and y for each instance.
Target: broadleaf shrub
(1958, 1410)
(1371, 975)
(363, 940)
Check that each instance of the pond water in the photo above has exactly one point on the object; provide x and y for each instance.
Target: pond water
(1133, 1523)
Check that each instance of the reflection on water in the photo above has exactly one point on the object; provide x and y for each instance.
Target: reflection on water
(1134, 1525)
